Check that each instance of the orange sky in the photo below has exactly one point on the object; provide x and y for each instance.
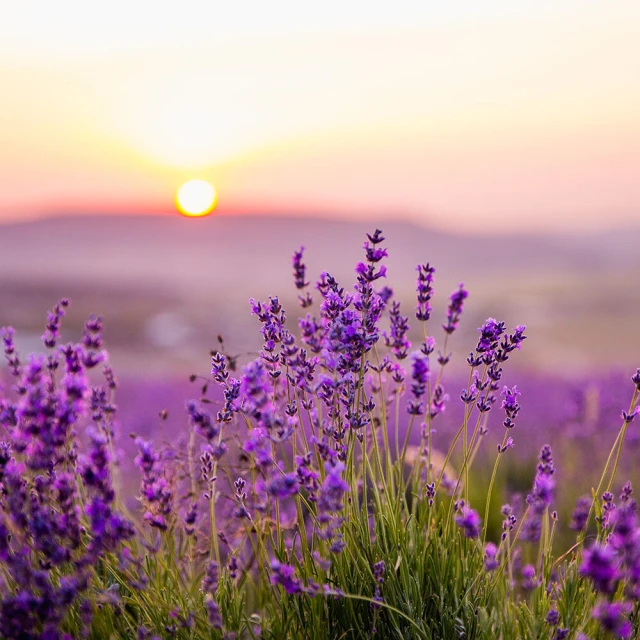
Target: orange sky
(491, 114)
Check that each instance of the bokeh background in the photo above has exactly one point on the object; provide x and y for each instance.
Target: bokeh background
(498, 140)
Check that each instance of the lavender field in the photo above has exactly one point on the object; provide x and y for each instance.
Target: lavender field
(390, 459)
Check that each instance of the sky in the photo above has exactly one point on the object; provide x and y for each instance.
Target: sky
(484, 115)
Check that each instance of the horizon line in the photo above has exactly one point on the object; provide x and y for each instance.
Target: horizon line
(319, 215)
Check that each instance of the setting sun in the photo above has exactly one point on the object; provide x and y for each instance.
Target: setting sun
(196, 198)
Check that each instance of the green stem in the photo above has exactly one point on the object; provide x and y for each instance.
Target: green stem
(617, 447)
(490, 491)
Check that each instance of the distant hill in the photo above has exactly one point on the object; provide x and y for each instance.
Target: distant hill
(172, 283)
(170, 250)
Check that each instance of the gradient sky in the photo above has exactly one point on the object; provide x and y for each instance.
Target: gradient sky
(476, 115)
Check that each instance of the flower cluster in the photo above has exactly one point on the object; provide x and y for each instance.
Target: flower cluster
(540, 499)
(155, 490)
(615, 561)
(58, 514)
(425, 292)
(468, 520)
(294, 482)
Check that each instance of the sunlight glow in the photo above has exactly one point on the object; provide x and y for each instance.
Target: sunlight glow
(196, 198)
(454, 111)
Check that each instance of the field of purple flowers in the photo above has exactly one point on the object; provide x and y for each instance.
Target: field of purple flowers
(577, 416)
(342, 484)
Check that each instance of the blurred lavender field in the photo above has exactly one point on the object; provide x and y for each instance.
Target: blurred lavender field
(167, 287)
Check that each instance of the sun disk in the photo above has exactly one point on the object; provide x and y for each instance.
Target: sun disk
(196, 198)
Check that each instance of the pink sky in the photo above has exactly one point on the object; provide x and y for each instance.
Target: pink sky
(482, 115)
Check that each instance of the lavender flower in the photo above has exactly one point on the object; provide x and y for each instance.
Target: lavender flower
(624, 537)
(491, 562)
(507, 445)
(376, 238)
(425, 291)
(613, 618)
(213, 611)
(439, 401)
(255, 389)
(541, 497)
(528, 574)
(190, 519)
(630, 416)
(233, 567)
(600, 565)
(54, 318)
(11, 355)
(580, 514)
(469, 521)
(608, 506)
(92, 342)
(378, 576)
(284, 575)
(626, 493)
(420, 377)
(510, 406)
(552, 617)
(332, 491)
(154, 489)
(281, 485)
(396, 338)
(299, 270)
(428, 346)
(202, 421)
(468, 396)
(210, 580)
(219, 369)
(454, 310)
(490, 333)
(515, 339)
